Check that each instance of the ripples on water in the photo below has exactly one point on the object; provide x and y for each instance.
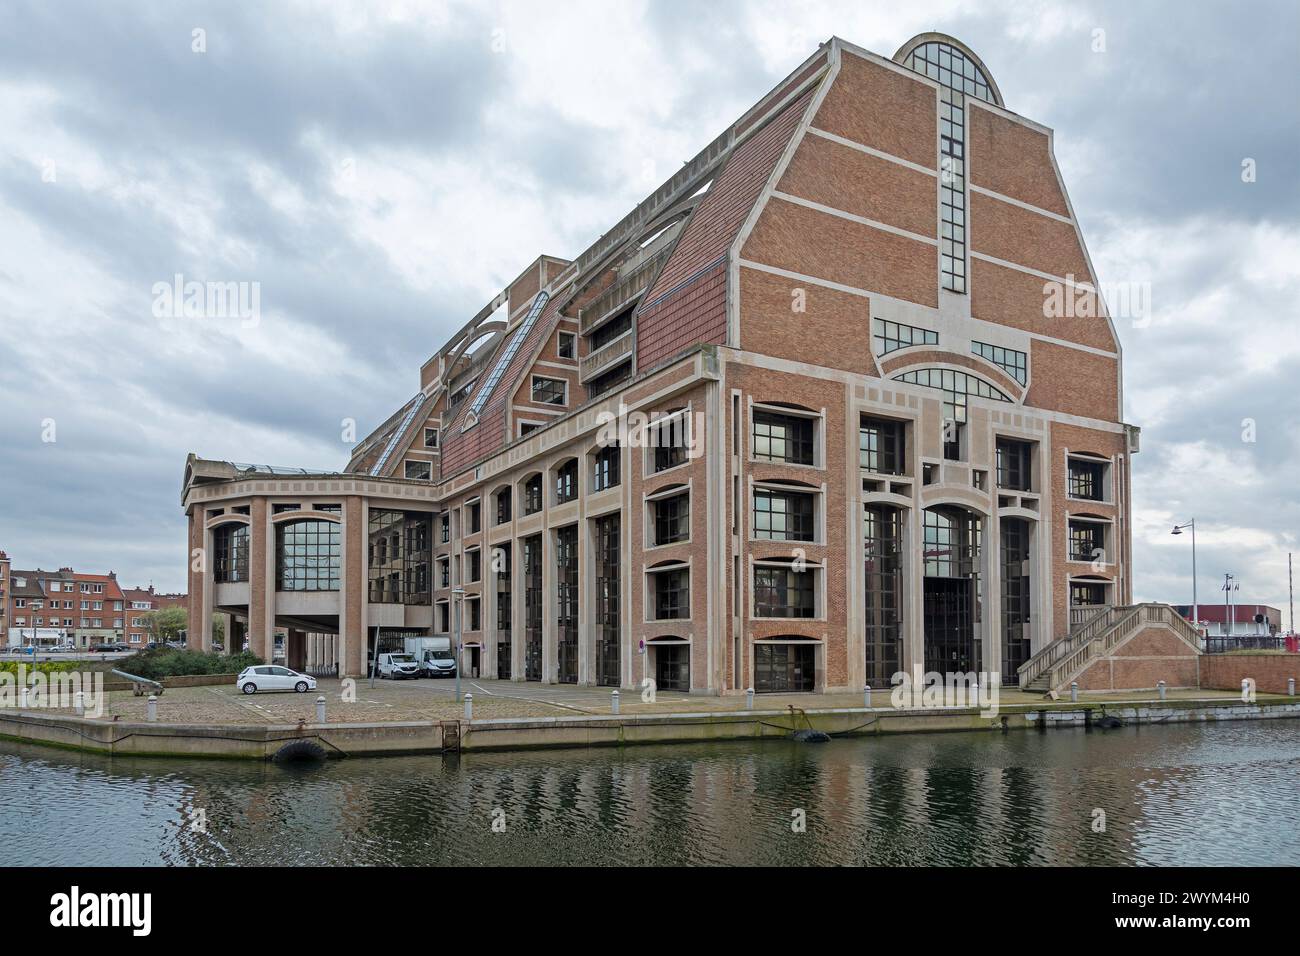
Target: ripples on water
(1195, 794)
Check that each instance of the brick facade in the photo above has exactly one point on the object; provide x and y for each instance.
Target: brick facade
(745, 295)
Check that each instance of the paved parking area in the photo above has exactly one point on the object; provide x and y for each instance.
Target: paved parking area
(435, 700)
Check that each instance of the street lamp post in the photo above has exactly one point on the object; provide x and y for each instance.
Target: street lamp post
(1196, 608)
(456, 595)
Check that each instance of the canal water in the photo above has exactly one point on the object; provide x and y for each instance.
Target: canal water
(1222, 793)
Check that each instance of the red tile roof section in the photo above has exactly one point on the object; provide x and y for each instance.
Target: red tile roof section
(676, 314)
(462, 449)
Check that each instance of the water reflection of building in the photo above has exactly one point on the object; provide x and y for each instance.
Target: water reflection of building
(881, 401)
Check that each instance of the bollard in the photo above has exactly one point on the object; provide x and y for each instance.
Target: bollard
(320, 709)
(1160, 689)
(469, 706)
(79, 703)
(1290, 686)
(613, 702)
(866, 697)
(749, 698)
(151, 712)
(1074, 691)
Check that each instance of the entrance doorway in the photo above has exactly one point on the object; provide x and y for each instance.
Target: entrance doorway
(949, 628)
(475, 659)
(950, 596)
(785, 668)
(672, 667)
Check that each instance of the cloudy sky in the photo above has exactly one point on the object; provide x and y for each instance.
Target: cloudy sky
(381, 170)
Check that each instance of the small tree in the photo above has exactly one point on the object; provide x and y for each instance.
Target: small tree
(166, 624)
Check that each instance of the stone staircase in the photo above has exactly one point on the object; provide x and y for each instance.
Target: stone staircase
(1057, 664)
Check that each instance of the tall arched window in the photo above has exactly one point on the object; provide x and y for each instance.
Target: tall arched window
(958, 76)
(230, 562)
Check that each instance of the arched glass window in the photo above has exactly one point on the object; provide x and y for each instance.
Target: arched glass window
(230, 564)
(956, 387)
(307, 556)
(958, 77)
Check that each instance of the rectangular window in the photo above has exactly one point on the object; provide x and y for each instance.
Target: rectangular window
(533, 495)
(671, 519)
(420, 470)
(1014, 464)
(431, 438)
(783, 515)
(881, 446)
(672, 594)
(783, 592)
(474, 517)
(1087, 541)
(891, 336)
(446, 529)
(670, 443)
(605, 468)
(607, 604)
(503, 506)
(787, 438)
(548, 391)
(474, 606)
(565, 346)
(566, 604)
(566, 482)
(475, 566)
(1087, 479)
(527, 428)
(1087, 594)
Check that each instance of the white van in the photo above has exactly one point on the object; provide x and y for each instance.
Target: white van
(434, 655)
(398, 666)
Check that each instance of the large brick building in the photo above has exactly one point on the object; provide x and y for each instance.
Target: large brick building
(857, 433)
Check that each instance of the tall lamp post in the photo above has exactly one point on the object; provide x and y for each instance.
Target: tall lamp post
(456, 595)
(1196, 608)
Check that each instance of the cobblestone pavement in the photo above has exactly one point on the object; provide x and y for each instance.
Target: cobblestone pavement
(435, 700)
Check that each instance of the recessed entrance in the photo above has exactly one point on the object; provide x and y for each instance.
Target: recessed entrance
(950, 608)
(785, 668)
(672, 667)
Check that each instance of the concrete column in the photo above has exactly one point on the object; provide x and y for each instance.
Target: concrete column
(261, 581)
(295, 650)
(352, 600)
(913, 567)
(992, 592)
(227, 623)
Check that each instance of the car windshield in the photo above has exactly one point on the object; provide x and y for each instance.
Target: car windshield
(402, 659)
(440, 655)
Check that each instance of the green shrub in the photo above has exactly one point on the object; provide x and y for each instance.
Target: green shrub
(166, 662)
(45, 667)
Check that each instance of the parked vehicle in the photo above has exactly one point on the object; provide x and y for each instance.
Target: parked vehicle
(434, 655)
(66, 648)
(269, 677)
(108, 648)
(398, 666)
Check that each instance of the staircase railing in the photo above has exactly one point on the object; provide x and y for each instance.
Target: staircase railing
(1098, 636)
(1051, 655)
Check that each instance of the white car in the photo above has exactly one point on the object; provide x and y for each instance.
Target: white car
(273, 677)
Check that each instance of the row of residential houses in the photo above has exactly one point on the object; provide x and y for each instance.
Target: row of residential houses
(72, 606)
